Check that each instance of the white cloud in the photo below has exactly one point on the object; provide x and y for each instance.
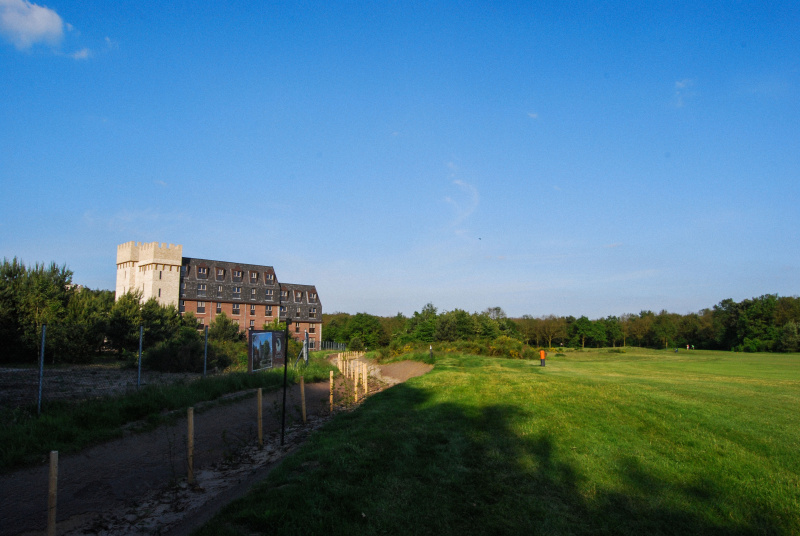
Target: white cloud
(464, 208)
(25, 24)
(683, 91)
(81, 54)
(533, 115)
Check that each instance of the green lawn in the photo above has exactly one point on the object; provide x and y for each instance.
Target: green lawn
(646, 442)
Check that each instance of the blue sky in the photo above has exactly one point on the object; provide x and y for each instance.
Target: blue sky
(584, 158)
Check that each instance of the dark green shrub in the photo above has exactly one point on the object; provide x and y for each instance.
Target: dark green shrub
(184, 353)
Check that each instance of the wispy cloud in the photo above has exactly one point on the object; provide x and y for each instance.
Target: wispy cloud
(467, 204)
(533, 115)
(683, 91)
(25, 24)
(81, 54)
(614, 245)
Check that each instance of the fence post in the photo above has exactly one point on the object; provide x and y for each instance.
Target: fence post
(303, 397)
(331, 391)
(205, 350)
(260, 420)
(52, 495)
(41, 371)
(139, 377)
(190, 445)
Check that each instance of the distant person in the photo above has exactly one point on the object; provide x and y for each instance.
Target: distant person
(693, 347)
(687, 346)
(542, 356)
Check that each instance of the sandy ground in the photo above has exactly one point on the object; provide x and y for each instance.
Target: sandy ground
(137, 484)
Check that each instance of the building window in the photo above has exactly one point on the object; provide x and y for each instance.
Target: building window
(312, 328)
(252, 294)
(182, 306)
(284, 294)
(254, 277)
(183, 288)
(237, 293)
(219, 307)
(236, 308)
(270, 277)
(270, 293)
(312, 296)
(283, 308)
(220, 274)
(201, 290)
(252, 309)
(201, 307)
(298, 311)
(298, 296)
(159, 274)
(202, 272)
(252, 323)
(268, 310)
(297, 327)
(219, 290)
(311, 344)
(159, 293)
(236, 274)
(312, 312)
(184, 270)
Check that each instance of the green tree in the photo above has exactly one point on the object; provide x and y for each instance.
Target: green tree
(665, 327)
(455, 325)
(367, 329)
(124, 321)
(614, 331)
(223, 328)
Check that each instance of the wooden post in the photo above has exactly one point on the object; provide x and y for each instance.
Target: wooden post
(52, 495)
(331, 391)
(366, 379)
(190, 445)
(355, 386)
(303, 397)
(260, 420)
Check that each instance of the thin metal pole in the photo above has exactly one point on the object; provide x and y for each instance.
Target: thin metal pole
(41, 371)
(141, 337)
(205, 351)
(285, 359)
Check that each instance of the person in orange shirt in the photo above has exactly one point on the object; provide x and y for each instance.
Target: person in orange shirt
(542, 355)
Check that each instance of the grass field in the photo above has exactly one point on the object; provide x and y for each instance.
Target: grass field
(646, 442)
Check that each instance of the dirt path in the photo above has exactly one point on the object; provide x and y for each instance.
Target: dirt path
(137, 484)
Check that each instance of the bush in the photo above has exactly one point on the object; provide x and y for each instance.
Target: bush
(184, 353)
(506, 346)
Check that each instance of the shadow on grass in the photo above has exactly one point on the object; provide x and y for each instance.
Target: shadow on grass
(401, 464)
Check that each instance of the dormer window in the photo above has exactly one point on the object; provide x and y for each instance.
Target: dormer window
(220, 274)
(202, 272)
(269, 277)
(254, 277)
(236, 274)
(298, 296)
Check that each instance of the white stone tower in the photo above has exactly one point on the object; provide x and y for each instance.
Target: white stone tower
(153, 268)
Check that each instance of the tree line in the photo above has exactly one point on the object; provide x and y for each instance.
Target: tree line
(768, 323)
(83, 324)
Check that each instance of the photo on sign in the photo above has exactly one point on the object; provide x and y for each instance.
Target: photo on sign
(266, 349)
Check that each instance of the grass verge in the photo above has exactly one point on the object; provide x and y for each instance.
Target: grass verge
(25, 438)
(645, 442)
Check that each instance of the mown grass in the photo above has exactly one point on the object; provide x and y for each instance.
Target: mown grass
(645, 442)
(26, 439)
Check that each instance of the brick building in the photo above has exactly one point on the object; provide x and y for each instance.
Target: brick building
(249, 294)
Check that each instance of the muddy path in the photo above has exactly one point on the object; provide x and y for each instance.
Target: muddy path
(137, 484)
